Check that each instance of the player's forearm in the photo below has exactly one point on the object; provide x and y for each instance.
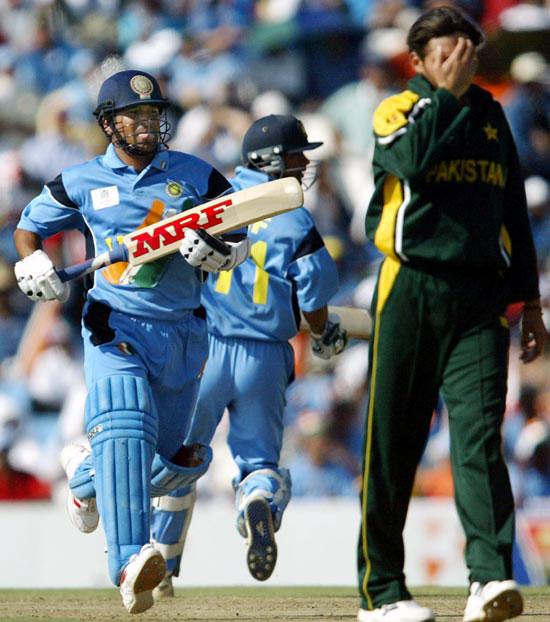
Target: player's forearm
(26, 242)
(317, 319)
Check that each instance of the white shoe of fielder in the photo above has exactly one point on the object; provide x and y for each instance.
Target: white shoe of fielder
(82, 512)
(493, 602)
(140, 577)
(401, 611)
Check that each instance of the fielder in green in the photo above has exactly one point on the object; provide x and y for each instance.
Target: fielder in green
(449, 213)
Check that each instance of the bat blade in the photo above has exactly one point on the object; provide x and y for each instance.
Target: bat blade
(218, 216)
(357, 322)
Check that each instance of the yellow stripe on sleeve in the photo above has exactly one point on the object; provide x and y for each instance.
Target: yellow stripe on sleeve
(392, 114)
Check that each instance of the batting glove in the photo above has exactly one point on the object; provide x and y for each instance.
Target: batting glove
(38, 279)
(201, 250)
(333, 340)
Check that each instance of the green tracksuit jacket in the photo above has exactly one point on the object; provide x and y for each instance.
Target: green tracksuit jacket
(448, 186)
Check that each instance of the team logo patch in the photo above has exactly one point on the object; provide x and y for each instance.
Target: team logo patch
(142, 86)
(173, 188)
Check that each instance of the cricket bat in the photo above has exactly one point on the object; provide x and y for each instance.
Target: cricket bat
(218, 216)
(356, 322)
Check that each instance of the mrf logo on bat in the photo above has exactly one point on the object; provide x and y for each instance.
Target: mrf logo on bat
(165, 233)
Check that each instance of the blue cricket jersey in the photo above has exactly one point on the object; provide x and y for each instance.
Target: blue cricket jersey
(289, 269)
(106, 199)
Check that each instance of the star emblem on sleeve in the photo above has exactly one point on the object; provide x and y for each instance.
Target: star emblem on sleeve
(490, 132)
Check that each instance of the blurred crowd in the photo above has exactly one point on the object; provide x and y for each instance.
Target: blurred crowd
(224, 63)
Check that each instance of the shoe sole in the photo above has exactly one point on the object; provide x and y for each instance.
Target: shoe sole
(508, 604)
(149, 577)
(261, 556)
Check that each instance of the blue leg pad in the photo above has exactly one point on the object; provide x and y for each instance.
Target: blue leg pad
(122, 428)
(167, 476)
(169, 524)
(273, 485)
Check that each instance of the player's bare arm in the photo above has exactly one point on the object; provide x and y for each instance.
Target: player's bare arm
(26, 242)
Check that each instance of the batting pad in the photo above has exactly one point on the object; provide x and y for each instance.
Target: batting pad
(122, 429)
(169, 525)
(167, 476)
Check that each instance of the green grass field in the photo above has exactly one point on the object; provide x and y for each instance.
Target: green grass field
(263, 604)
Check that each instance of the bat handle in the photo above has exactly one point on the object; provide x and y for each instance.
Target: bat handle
(120, 253)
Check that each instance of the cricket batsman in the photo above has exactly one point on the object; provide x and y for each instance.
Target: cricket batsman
(143, 328)
(252, 312)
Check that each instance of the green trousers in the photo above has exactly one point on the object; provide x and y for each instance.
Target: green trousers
(434, 333)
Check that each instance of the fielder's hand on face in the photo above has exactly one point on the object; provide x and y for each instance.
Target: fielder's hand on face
(38, 279)
(533, 332)
(201, 250)
(333, 340)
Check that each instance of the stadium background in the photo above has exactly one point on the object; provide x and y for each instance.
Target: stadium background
(223, 64)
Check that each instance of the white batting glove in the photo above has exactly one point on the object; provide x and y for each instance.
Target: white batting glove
(38, 279)
(204, 251)
(333, 340)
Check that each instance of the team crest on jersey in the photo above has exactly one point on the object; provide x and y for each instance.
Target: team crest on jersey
(173, 188)
(142, 86)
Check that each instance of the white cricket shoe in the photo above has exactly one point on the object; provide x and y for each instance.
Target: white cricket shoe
(82, 512)
(144, 571)
(401, 611)
(165, 589)
(493, 602)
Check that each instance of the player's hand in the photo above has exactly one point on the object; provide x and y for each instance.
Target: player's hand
(533, 331)
(333, 340)
(204, 251)
(456, 72)
(38, 279)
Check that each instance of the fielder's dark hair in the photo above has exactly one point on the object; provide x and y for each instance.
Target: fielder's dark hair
(440, 22)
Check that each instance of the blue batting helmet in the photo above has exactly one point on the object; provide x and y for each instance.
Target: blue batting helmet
(269, 138)
(126, 89)
(276, 130)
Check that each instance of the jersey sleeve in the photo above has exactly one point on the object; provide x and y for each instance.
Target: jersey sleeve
(409, 129)
(313, 272)
(516, 236)
(52, 211)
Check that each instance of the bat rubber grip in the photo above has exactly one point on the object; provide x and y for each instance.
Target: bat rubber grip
(120, 253)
